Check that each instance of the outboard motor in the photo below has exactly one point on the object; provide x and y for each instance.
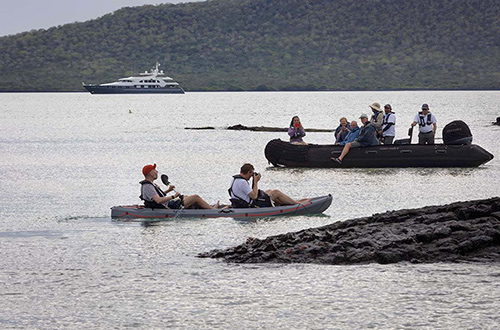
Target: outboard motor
(457, 132)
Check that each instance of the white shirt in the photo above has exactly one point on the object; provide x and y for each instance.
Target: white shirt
(424, 126)
(389, 118)
(241, 188)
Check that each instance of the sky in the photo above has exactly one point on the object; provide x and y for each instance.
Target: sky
(25, 15)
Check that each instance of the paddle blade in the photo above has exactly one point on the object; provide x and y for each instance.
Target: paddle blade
(164, 179)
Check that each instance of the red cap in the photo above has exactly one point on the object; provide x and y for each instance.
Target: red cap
(148, 168)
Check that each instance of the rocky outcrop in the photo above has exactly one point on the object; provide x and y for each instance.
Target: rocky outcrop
(462, 231)
(240, 127)
(200, 128)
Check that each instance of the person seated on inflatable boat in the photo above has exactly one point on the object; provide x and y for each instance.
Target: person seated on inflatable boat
(243, 196)
(296, 131)
(367, 137)
(353, 133)
(154, 197)
(342, 131)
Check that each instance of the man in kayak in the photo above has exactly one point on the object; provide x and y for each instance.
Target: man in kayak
(243, 196)
(367, 137)
(427, 125)
(154, 197)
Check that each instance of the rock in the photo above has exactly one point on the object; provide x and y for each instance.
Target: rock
(462, 231)
(200, 128)
(240, 127)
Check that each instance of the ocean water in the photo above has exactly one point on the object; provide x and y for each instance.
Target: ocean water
(66, 158)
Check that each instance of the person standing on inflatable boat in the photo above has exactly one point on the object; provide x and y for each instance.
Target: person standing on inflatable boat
(243, 196)
(427, 125)
(154, 197)
(388, 125)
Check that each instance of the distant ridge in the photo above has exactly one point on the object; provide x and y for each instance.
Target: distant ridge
(269, 45)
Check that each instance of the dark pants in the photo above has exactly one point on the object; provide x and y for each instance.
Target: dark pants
(426, 138)
(388, 139)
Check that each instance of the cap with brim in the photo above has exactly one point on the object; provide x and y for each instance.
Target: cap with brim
(147, 169)
(375, 106)
(364, 115)
(425, 106)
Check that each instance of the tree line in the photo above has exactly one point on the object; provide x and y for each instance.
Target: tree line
(268, 45)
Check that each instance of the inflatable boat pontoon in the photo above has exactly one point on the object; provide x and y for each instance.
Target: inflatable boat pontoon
(281, 153)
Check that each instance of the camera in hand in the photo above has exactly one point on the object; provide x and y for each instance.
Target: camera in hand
(255, 173)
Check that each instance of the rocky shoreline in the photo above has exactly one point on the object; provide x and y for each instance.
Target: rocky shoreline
(458, 232)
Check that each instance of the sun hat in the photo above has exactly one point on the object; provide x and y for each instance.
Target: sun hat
(375, 106)
(148, 168)
(364, 115)
(425, 106)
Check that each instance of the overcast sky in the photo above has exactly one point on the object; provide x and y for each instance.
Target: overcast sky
(25, 15)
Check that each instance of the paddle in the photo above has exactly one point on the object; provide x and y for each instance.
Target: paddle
(164, 179)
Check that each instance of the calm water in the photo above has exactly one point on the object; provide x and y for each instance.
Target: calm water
(66, 158)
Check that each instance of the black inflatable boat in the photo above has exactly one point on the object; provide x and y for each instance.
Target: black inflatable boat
(457, 152)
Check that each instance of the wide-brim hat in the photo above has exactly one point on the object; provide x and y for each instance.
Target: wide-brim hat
(375, 106)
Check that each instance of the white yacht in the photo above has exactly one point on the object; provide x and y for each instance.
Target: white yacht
(148, 82)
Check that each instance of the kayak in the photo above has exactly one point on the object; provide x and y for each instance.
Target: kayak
(314, 206)
(282, 153)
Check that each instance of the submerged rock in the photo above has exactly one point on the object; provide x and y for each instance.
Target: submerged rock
(462, 231)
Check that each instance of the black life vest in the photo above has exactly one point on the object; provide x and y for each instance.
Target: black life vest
(386, 118)
(152, 204)
(238, 201)
(262, 200)
(422, 122)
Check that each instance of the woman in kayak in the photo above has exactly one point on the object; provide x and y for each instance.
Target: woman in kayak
(296, 131)
(154, 197)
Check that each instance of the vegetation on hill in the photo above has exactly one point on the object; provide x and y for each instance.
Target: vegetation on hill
(269, 45)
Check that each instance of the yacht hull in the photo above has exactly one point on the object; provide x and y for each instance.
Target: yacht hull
(120, 90)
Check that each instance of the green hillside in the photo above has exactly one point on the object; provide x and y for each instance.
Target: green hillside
(264, 44)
